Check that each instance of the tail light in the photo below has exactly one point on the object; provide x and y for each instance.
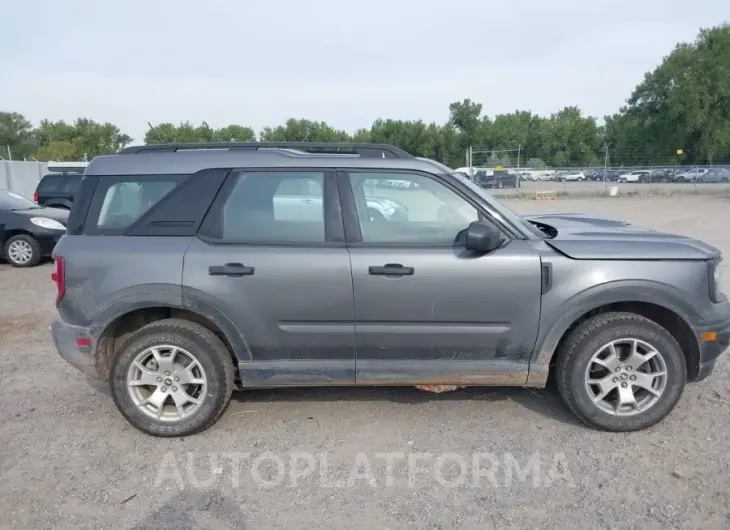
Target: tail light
(59, 277)
(35, 197)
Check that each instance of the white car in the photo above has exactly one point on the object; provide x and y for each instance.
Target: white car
(640, 175)
(573, 176)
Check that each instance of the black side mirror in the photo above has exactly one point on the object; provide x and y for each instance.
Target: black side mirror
(482, 236)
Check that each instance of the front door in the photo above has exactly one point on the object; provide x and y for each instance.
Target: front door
(276, 268)
(427, 311)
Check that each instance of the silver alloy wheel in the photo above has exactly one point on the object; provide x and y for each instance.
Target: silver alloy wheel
(20, 252)
(626, 377)
(167, 383)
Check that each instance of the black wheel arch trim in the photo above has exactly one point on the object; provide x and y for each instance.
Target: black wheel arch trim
(170, 296)
(654, 293)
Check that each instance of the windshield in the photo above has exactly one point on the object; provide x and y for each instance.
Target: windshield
(500, 209)
(13, 201)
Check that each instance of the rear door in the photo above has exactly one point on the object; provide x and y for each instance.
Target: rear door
(271, 256)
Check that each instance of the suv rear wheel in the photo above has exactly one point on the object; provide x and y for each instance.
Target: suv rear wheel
(621, 372)
(172, 377)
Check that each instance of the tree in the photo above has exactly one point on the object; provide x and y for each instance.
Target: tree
(84, 139)
(16, 134)
(301, 130)
(683, 103)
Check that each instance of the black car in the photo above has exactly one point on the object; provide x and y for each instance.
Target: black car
(57, 190)
(498, 180)
(28, 232)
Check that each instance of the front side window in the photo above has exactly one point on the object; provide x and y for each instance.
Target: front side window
(409, 209)
(271, 207)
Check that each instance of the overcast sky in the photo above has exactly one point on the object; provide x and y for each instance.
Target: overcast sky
(347, 63)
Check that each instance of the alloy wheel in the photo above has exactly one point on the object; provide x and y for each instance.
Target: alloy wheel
(167, 383)
(626, 377)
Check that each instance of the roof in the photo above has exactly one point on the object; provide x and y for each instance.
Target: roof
(175, 159)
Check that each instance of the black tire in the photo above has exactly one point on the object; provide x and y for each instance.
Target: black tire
(35, 247)
(585, 341)
(210, 352)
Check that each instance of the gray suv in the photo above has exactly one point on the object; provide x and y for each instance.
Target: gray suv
(188, 271)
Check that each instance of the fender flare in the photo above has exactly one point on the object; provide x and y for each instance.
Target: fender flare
(655, 293)
(170, 296)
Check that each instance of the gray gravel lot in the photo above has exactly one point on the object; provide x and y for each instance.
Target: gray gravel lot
(69, 460)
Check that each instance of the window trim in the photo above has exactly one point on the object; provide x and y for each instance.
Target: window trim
(334, 231)
(91, 222)
(351, 220)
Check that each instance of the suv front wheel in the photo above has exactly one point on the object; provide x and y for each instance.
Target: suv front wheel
(172, 377)
(621, 372)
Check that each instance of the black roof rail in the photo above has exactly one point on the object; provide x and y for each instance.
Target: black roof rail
(363, 149)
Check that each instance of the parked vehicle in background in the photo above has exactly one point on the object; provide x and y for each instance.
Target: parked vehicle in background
(715, 175)
(58, 188)
(28, 232)
(641, 175)
(235, 287)
(497, 179)
(661, 175)
(691, 175)
(572, 176)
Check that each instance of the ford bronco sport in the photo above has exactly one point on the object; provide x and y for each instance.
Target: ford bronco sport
(191, 270)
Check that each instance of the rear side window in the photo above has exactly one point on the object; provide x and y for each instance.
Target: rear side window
(70, 184)
(270, 207)
(119, 202)
(50, 183)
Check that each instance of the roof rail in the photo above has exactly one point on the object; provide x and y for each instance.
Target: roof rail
(363, 149)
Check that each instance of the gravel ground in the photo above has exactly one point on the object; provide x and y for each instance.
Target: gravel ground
(316, 457)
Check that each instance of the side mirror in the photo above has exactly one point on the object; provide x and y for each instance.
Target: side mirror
(482, 237)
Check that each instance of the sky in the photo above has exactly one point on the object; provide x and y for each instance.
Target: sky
(347, 63)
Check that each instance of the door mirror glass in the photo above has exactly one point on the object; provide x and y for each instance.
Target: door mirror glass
(482, 236)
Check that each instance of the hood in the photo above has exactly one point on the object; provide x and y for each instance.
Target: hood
(57, 214)
(590, 237)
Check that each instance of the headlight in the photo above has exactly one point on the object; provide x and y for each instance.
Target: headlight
(716, 281)
(45, 222)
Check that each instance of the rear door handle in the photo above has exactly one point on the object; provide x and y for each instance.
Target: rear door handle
(230, 269)
(391, 269)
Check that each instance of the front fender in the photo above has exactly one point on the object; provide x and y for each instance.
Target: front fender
(657, 293)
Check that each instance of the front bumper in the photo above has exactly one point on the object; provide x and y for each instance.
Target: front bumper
(711, 350)
(47, 239)
(66, 338)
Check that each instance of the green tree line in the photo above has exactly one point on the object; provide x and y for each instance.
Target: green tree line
(683, 104)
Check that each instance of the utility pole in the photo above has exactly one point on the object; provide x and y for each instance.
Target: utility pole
(605, 167)
(519, 152)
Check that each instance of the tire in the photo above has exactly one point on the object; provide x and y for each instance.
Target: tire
(216, 366)
(587, 339)
(724, 180)
(22, 250)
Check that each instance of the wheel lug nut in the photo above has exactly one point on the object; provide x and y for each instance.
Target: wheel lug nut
(159, 380)
(164, 388)
(177, 379)
(624, 385)
(628, 368)
(618, 369)
(174, 389)
(615, 379)
(633, 378)
(167, 373)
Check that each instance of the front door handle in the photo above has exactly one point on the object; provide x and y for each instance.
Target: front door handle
(230, 269)
(392, 269)
(307, 201)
